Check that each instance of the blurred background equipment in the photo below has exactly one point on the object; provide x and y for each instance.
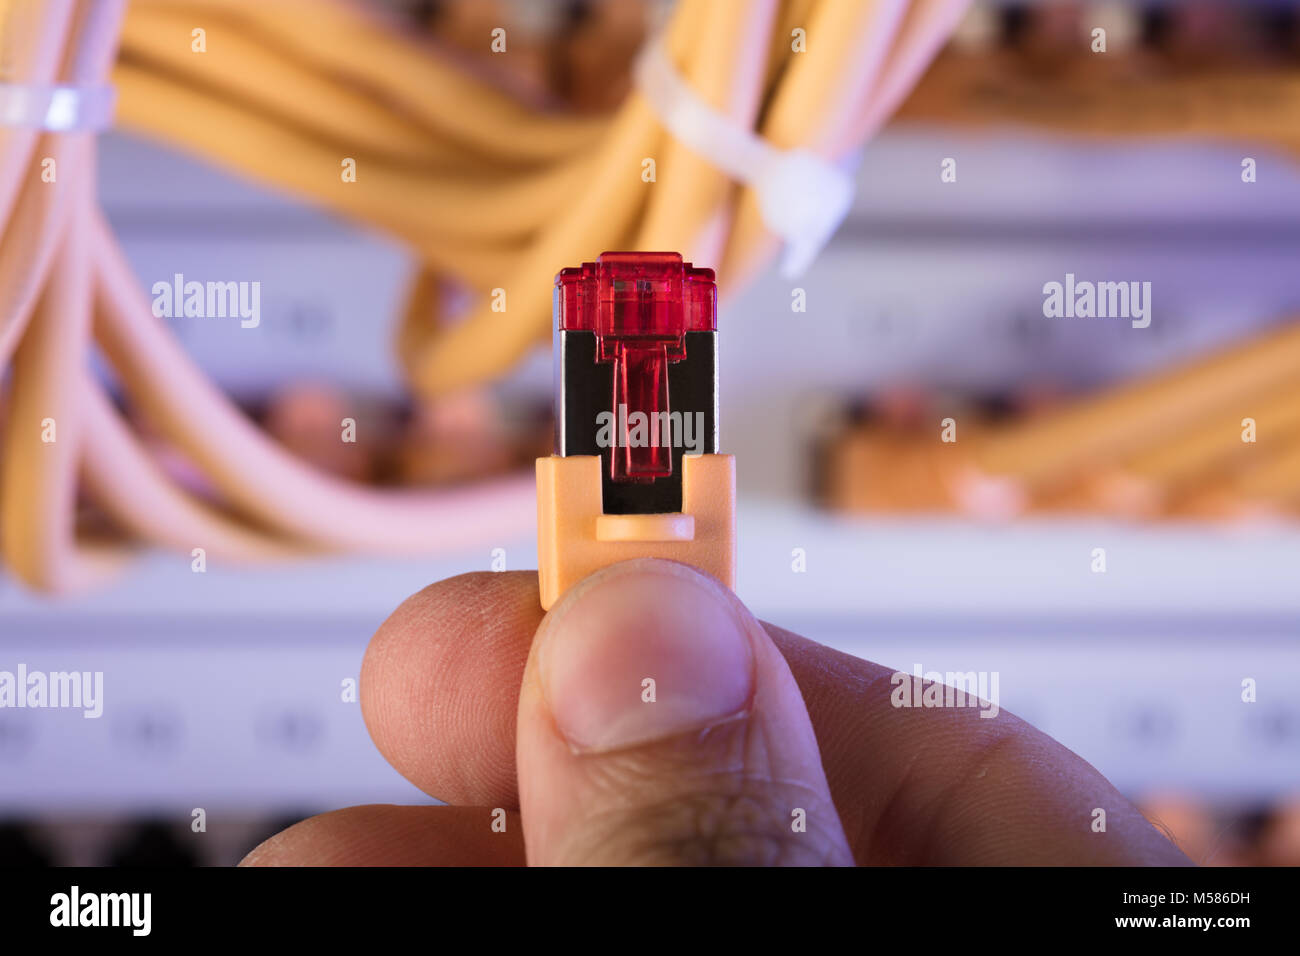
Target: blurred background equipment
(479, 171)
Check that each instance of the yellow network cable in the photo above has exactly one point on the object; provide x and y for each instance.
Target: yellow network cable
(488, 191)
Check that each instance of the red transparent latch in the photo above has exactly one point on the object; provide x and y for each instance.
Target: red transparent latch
(640, 305)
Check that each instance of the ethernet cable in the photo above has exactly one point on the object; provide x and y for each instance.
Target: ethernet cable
(520, 223)
(487, 191)
(636, 471)
(1017, 462)
(1215, 436)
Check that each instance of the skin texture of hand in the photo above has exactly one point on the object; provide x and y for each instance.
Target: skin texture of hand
(484, 702)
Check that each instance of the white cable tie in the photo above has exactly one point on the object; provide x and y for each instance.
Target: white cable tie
(802, 197)
(57, 109)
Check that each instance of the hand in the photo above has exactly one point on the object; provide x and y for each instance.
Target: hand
(747, 730)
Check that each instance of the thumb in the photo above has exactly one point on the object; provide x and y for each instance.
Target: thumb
(659, 724)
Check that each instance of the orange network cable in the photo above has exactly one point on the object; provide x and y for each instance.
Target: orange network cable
(1218, 435)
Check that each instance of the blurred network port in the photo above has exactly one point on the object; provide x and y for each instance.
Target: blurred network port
(896, 451)
(151, 844)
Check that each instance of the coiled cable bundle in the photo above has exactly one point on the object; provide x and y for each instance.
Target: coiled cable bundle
(487, 191)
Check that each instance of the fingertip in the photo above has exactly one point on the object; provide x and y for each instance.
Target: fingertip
(440, 680)
(649, 626)
(660, 724)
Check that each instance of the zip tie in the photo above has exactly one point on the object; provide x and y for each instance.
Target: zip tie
(57, 109)
(802, 197)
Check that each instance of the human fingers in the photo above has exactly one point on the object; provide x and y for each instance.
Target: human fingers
(386, 835)
(659, 724)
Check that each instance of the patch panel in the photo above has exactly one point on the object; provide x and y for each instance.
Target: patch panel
(225, 690)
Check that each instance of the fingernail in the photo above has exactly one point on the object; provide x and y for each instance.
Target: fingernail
(644, 651)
